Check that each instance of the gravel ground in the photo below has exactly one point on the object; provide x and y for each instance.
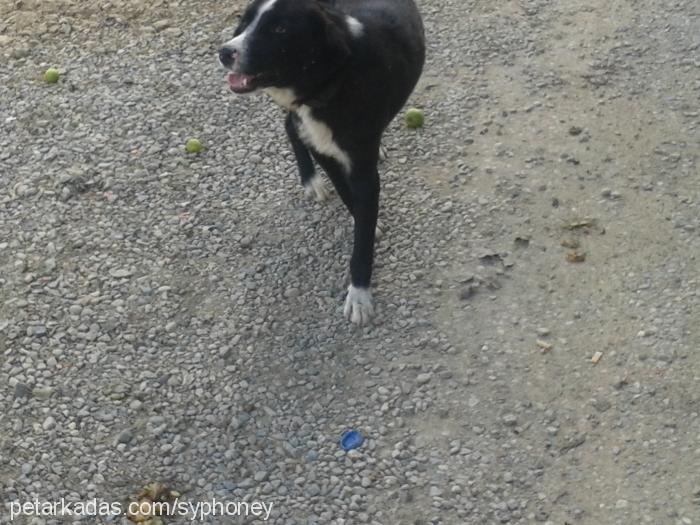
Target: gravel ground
(177, 318)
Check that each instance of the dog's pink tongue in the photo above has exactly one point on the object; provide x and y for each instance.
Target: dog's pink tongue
(238, 81)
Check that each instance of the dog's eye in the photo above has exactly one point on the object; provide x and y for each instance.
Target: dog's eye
(279, 30)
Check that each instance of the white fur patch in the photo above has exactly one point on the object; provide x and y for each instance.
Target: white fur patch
(316, 188)
(355, 26)
(319, 136)
(358, 305)
(383, 154)
(285, 97)
(239, 43)
(378, 231)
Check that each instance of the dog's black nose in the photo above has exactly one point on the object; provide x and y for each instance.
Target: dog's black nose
(227, 56)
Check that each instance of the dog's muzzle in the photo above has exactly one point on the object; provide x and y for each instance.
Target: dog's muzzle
(228, 56)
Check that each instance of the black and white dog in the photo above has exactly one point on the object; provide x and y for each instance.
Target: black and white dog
(343, 69)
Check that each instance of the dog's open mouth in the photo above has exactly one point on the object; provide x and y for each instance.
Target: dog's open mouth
(240, 83)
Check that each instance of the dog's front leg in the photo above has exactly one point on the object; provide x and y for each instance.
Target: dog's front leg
(364, 187)
(310, 180)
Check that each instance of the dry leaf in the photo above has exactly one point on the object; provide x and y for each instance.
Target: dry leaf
(575, 257)
(138, 516)
(580, 223)
(153, 492)
(544, 346)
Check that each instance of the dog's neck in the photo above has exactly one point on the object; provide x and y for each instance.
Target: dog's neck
(322, 94)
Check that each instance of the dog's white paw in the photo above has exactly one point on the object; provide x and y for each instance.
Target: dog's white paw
(358, 305)
(378, 231)
(316, 189)
(383, 153)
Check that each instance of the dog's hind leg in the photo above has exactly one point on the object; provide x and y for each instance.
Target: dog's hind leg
(310, 180)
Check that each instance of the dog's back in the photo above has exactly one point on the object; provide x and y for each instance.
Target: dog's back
(391, 45)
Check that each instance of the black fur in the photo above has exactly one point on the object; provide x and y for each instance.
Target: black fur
(355, 84)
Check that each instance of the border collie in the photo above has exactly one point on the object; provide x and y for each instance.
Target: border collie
(342, 69)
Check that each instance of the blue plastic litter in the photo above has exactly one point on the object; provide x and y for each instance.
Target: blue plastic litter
(351, 439)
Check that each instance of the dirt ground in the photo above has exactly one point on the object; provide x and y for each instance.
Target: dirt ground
(561, 144)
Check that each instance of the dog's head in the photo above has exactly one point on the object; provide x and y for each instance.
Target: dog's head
(284, 44)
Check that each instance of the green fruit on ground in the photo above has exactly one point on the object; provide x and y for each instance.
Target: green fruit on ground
(193, 146)
(414, 118)
(51, 75)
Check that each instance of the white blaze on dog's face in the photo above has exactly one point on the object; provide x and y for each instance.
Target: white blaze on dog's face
(284, 44)
(239, 43)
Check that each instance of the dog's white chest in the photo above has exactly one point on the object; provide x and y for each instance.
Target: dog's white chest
(317, 135)
(285, 97)
(313, 132)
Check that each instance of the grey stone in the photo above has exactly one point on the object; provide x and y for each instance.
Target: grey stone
(422, 379)
(22, 390)
(125, 436)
